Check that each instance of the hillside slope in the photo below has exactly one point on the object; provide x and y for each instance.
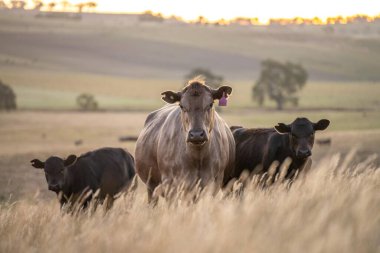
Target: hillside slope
(167, 51)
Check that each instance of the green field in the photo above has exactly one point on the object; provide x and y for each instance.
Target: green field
(58, 90)
(350, 105)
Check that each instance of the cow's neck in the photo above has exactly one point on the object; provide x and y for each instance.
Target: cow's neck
(289, 149)
(68, 181)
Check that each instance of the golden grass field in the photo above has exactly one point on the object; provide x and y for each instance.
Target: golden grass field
(336, 209)
(126, 66)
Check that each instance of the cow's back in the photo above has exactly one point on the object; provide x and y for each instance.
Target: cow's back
(107, 169)
(251, 145)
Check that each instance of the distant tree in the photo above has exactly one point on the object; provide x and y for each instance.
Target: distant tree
(80, 7)
(86, 101)
(7, 97)
(3, 5)
(245, 21)
(18, 4)
(176, 18)
(91, 5)
(221, 22)
(38, 4)
(65, 4)
(202, 20)
(211, 79)
(279, 82)
(317, 21)
(149, 16)
(51, 6)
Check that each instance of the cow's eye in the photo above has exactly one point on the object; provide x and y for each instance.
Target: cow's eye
(211, 105)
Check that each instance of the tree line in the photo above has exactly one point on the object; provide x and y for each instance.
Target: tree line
(38, 5)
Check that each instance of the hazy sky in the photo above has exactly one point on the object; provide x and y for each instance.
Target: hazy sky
(265, 9)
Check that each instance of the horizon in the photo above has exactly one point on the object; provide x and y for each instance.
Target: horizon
(228, 10)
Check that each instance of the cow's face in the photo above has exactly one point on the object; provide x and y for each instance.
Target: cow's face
(301, 135)
(54, 168)
(197, 112)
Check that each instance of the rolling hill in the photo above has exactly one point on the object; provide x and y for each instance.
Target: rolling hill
(102, 44)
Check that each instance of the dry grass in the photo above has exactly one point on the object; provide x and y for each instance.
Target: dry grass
(335, 209)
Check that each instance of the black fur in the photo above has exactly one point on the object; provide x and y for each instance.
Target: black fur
(257, 149)
(107, 169)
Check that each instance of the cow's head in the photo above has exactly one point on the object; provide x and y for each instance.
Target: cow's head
(196, 101)
(54, 168)
(301, 135)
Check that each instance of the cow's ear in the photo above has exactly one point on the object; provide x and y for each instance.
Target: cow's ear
(282, 128)
(37, 164)
(171, 97)
(70, 160)
(321, 125)
(218, 93)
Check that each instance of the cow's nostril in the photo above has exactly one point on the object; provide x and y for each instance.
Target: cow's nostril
(54, 187)
(304, 153)
(197, 136)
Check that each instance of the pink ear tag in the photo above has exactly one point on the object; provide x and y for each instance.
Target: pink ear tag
(223, 100)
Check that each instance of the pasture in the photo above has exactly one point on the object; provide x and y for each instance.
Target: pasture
(334, 209)
(126, 65)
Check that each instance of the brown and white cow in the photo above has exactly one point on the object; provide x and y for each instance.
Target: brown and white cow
(186, 140)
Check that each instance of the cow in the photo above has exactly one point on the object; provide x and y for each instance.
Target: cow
(186, 140)
(257, 149)
(109, 170)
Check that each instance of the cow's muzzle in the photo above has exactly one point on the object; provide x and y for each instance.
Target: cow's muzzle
(302, 154)
(54, 187)
(197, 137)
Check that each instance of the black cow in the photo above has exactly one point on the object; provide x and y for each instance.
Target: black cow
(257, 149)
(108, 169)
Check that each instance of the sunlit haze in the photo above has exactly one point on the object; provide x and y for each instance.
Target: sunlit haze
(264, 10)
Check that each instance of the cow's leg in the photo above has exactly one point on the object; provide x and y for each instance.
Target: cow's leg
(150, 194)
(108, 202)
(305, 168)
(151, 187)
(152, 200)
(269, 158)
(151, 177)
(213, 180)
(271, 169)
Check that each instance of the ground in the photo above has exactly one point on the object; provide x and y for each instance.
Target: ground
(28, 135)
